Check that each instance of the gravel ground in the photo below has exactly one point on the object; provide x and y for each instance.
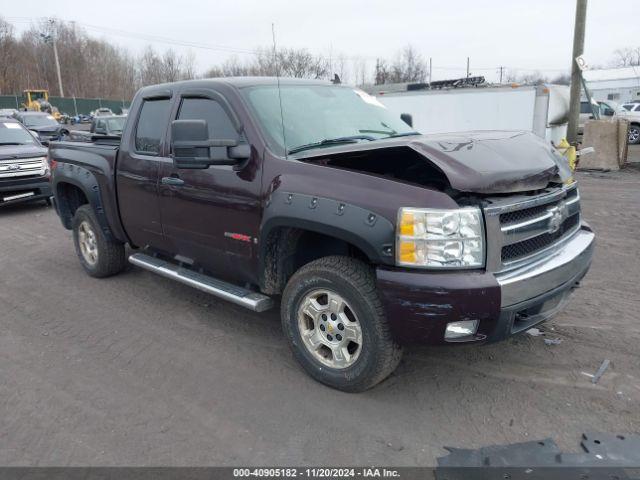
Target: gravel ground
(137, 370)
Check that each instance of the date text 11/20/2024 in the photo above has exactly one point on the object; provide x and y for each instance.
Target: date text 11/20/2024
(368, 472)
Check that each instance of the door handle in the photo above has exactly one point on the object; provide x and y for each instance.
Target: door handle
(173, 181)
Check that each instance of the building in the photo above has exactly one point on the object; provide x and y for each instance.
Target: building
(622, 85)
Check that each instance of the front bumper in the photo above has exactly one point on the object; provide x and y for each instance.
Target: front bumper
(38, 186)
(419, 305)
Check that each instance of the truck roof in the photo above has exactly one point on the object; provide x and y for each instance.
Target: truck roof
(237, 82)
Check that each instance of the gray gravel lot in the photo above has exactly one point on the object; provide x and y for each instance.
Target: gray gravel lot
(137, 370)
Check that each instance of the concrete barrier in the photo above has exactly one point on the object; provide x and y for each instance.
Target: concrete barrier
(609, 140)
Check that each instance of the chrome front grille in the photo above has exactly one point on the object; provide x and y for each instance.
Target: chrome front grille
(22, 167)
(522, 229)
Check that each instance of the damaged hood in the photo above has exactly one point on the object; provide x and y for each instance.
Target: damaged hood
(486, 162)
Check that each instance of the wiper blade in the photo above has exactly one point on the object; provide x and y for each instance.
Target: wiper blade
(331, 141)
(381, 132)
(406, 134)
(12, 143)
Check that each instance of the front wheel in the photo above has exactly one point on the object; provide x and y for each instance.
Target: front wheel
(335, 324)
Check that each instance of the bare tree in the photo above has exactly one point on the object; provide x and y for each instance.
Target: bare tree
(8, 52)
(287, 62)
(90, 67)
(627, 57)
(382, 73)
(408, 66)
(171, 66)
(562, 79)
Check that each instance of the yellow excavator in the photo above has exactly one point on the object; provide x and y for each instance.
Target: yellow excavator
(38, 101)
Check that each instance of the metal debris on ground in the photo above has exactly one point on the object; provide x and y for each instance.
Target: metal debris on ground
(552, 341)
(601, 370)
(535, 332)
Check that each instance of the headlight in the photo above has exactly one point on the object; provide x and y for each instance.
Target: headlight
(45, 166)
(440, 238)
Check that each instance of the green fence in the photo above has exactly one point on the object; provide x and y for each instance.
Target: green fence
(69, 105)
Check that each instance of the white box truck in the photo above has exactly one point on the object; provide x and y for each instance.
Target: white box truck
(541, 109)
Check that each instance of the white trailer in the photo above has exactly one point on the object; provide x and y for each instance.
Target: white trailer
(543, 110)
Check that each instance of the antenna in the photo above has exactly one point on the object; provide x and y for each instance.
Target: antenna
(275, 59)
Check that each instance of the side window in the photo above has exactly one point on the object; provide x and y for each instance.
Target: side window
(220, 125)
(152, 123)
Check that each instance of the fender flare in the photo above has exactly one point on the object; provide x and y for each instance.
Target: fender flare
(373, 234)
(86, 181)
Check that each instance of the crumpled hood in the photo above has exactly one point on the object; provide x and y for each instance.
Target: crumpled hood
(494, 161)
(485, 162)
(9, 152)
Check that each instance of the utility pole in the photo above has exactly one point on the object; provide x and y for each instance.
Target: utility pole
(501, 70)
(468, 67)
(430, 70)
(54, 40)
(576, 73)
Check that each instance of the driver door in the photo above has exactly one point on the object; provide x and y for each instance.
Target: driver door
(210, 216)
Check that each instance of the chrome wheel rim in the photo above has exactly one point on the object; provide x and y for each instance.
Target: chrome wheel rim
(330, 329)
(634, 134)
(88, 243)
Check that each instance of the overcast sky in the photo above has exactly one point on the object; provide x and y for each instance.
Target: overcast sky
(520, 35)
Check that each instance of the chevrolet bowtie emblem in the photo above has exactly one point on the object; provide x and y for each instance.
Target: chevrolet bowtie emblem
(329, 328)
(559, 214)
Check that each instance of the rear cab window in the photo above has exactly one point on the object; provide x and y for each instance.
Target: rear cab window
(152, 123)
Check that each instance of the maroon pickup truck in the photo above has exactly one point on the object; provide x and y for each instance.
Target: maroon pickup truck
(369, 234)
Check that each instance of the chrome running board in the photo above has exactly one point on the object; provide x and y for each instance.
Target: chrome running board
(240, 296)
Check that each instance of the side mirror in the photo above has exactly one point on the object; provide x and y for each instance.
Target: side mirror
(101, 131)
(192, 147)
(407, 118)
(35, 134)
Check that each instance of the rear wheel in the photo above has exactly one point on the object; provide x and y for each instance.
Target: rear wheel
(335, 323)
(99, 256)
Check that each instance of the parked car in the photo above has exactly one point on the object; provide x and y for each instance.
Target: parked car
(371, 234)
(632, 113)
(7, 112)
(606, 109)
(24, 170)
(113, 125)
(102, 112)
(107, 126)
(43, 124)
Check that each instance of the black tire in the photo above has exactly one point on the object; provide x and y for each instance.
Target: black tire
(354, 281)
(110, 255)
(634, 134)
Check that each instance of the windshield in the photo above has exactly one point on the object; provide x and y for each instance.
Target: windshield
(39, 121)
(115, 124)
(12, 133)
(316, 113)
